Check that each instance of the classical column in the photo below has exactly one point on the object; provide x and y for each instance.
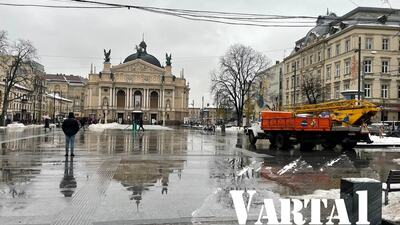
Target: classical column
(99, 96)
(109, 99)
(129, 98)
(146, 93)
(114, 98)
(90, 97)
(173, 100)
(126, 97)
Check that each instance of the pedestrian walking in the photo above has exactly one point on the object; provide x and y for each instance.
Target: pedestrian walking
(70, 127)
(46, 124)
(141, 124)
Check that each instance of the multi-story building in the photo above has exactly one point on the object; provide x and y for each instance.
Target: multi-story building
(57, 107)
(272, 78)
(329, 56)
(138, 88)
(70, 87)
(26, 99)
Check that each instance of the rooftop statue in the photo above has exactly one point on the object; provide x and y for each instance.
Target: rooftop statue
(107, 56)
(168, 59)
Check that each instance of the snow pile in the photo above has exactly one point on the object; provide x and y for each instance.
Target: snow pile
(230, 129)
(384, 141)
(15, 125)
(396, 161)
(333, 161)
(117, 126)
(253, 167)
(154, 127)
(391, 211)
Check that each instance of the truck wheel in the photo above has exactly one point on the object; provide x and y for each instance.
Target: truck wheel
(348, 145)
(252, 139)
(306, 146)
(281, 141)
(328, 145)
(272, 142)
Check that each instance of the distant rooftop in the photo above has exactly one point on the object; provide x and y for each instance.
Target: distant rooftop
(70, 79)
(331, 24)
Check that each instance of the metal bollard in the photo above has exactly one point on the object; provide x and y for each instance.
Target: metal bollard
(348, 189)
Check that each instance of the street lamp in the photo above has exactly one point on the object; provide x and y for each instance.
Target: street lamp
(54, 106)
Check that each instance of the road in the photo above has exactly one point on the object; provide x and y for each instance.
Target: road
(160, 177)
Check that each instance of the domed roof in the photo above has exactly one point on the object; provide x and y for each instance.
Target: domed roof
(142, 54)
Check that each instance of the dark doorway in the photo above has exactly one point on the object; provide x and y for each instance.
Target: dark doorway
(153, 118)
(137, 116)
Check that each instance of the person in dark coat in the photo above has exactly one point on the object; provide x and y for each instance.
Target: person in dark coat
(70, 127)
(141, 124)
(46, 124)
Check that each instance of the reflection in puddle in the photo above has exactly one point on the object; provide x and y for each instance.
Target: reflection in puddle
(68, 183)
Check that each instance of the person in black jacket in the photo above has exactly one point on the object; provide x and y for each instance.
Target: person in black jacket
(70, 127)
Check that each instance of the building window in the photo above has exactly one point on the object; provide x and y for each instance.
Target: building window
(384, 91)
(367, 90)
(347, 67)
(338, 49)
(399, 70)
(368, 43)
(287, 83)
(329, 54)
(304, 62)
(368, 66)
(287, 68)
(319, 56)
(337, 70)
(346, 86)
(398, 93)
(328, 92)
(337, 92)
(347, 45)
(385, 66)
(328, 72)
(311, 59)
(385, 44)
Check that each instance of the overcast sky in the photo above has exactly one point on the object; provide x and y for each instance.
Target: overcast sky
(69, 40)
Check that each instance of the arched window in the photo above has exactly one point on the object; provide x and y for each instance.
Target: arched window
(154, 100)
(121, 99)
(137, 99)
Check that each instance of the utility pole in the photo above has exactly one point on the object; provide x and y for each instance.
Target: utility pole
(359, 68)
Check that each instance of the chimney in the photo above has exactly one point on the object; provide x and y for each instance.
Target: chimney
(91, 68)
(277, 62)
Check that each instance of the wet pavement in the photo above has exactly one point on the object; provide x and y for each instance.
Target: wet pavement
(160, 177)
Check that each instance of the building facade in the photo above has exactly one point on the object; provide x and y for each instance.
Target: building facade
(69, 87)
(138, 88)
(329, 56)
(26, 100)
(272, 79)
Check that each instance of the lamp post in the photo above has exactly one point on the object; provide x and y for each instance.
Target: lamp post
(54, 106)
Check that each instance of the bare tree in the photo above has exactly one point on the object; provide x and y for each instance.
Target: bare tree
(311, 88)
(238, 70)
(3, 42)
(17, 62)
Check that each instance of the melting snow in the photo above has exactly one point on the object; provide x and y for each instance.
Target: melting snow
(290, 166)
(117, 126)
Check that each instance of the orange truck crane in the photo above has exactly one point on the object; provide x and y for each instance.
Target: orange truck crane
(284, 129)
